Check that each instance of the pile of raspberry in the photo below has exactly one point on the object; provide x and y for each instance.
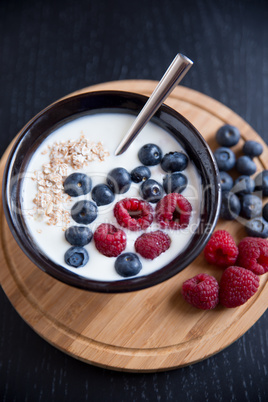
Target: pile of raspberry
(173, 211)
(242, 266)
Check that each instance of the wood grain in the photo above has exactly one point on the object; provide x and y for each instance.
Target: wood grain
(149, 330)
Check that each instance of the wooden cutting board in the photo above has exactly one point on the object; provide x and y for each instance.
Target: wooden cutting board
(148, 330)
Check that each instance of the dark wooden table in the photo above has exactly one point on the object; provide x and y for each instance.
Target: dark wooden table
(49, 49)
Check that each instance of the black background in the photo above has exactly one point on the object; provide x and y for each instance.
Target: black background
(51, 48)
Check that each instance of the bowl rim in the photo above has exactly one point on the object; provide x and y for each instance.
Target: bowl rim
(165, 118)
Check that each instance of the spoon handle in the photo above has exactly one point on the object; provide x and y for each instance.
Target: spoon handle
(174, 74)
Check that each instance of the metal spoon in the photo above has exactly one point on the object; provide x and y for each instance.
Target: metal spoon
(174, 74)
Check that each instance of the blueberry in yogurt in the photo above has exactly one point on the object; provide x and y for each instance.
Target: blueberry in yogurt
(174, 162)
(119, 180)
(76, 257)
(128, 264)
(151, 191)
(84, 212)
(78, 235)
(77, 184)
(102, 194)
(150, 155)
(140, 173)
(175, 182)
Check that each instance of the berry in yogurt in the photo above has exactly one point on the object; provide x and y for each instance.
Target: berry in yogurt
(84, 211)
(77, 184)
(76, 257)
(119, 180)
(140, 174)
(174, 162)
(151, 191)
(173, 212)
(134, 214)
(78, 235)
(110, 240)
(102, 194)
(175, 182)
(151, 245)
(128, 264)
(150, 154)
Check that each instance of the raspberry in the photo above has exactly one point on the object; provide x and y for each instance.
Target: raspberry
(221, 249)
(173, 211)
(151, 245)
(133, 214)
(201, 291)
(109, 240)
(237, 286)
(253, 255)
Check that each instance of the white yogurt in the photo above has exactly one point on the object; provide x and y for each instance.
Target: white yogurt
(109, 128)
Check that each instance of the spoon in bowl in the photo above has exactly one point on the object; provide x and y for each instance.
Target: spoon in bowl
(174, 74)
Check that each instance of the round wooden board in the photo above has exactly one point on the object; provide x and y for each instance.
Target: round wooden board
(148, 330)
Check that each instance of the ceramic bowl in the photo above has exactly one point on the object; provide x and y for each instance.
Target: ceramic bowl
(72, 107)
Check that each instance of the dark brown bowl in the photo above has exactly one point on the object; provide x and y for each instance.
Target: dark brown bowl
(72, 107)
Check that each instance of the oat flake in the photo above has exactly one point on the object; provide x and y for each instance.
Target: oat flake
(50, 197)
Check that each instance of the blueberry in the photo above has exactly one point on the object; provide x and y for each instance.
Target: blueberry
(230, 206)
(84, 212)
(128, 264)
(174, 162)
(225, 158)
(150, 155)
(257, 227)
(251, 206)
(252, 148)
(243, 185)
(226, 181)
(175, 182)
(228, 135)
(78, 235)
(76, 257)
(151, 191)
(140, 173)
(265, 212)
(77, 184)
(119, 180)
(245, 165)
(261, 182)
(102, 194)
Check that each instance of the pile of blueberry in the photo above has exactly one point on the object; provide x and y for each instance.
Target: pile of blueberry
(244, 195)
(118, 181)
